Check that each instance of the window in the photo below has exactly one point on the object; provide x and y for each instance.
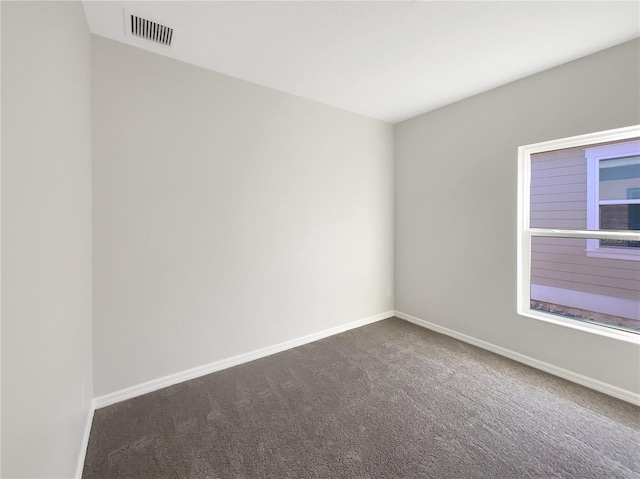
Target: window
(613, 176)
(579, 232)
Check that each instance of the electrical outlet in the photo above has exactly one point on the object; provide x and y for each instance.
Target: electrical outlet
(389, 292)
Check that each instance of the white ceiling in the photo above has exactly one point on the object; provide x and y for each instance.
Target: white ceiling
(385, 60)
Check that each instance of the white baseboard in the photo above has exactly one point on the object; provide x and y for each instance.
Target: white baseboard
(85, 442)
(600, 386)
(170, 380)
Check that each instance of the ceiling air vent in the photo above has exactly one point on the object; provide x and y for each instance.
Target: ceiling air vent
(143, 28)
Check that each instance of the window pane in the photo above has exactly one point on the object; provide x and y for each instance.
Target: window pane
(559, 189)
(619, 178)
(620, 217)
(567, 282)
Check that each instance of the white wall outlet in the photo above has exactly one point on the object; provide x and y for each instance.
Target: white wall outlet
(388, 291)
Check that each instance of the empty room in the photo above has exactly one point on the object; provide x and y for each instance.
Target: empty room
(309, 239)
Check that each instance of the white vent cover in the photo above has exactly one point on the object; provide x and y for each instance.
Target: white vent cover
(143, 28)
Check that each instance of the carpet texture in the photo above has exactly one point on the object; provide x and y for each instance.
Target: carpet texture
(388, 400)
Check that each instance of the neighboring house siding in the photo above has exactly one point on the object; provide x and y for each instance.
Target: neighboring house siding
(559, 200)
(559, 189)
(562, 263)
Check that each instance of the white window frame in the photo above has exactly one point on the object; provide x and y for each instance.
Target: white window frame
(594, 155)
(525, 233)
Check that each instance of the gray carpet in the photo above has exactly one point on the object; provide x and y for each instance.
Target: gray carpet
(389, 400)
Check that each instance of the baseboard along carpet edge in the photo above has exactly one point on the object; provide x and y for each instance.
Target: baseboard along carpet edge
(586, 381)
(181, 376)
(85, 441)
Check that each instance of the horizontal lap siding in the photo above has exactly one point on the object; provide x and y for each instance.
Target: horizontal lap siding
(559, 200)
(611, 276)
(559, 189)
(547, 192)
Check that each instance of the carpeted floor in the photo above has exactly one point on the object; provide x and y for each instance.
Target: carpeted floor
(388, 400)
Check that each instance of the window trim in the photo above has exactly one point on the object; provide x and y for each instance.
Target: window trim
(594, 155)
(525, 232)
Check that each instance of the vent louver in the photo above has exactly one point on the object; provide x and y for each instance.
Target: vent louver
(143, 28)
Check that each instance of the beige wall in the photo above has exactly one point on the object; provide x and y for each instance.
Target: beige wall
(455, 211)
(46, 237)
(227, 216)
